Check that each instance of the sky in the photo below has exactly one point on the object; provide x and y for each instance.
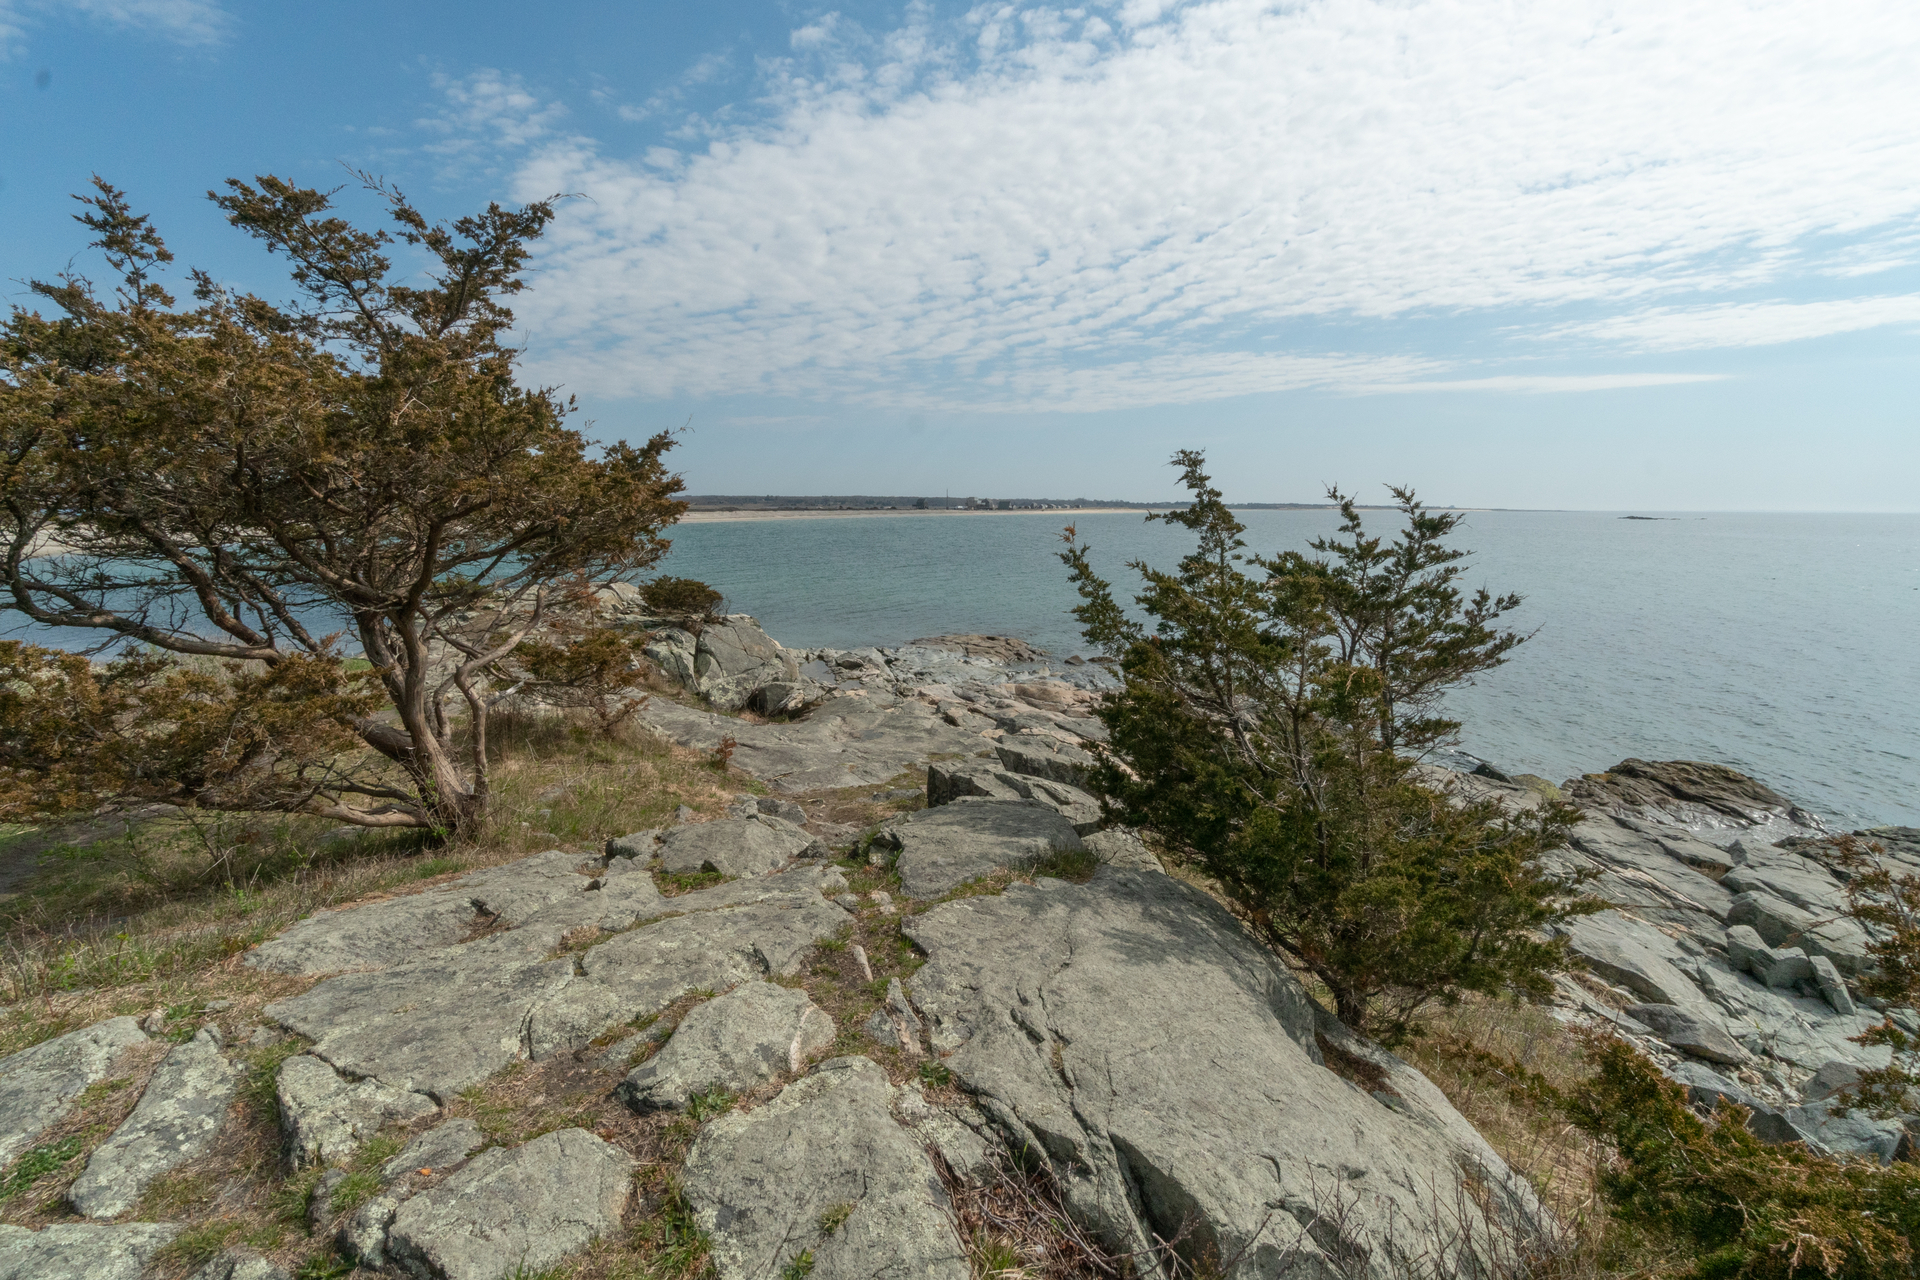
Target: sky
(1628, 255)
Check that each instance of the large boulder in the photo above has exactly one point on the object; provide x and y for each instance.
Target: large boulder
(176, 1120)
(38, 1086)
(727, 662)
(823, 1170)
(733, 846)
(1781, 924)
(1167, 1069)
(744, 1038)
(514, 1211)
(941, 849)
(961, 780)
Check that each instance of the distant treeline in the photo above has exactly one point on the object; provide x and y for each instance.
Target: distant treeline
(917, 502)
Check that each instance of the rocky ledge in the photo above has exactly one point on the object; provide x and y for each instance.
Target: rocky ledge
(1121, 1038)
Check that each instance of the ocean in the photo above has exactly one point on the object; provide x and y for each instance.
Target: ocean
(1786, 646)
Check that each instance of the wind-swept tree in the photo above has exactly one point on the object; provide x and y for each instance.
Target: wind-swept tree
(1269, 732)
(233, 496)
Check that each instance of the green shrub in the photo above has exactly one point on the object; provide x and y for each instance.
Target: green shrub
(680, 598)
(1739, 1207)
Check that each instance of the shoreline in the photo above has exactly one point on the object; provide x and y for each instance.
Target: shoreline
(719, 515)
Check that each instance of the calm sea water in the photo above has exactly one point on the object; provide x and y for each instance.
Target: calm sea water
(1786, 646)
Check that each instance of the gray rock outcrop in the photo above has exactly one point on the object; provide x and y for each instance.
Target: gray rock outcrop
(544, 888)
(824, 1170)
(1690, 1034)
(176, 1120)
(326, 1116)
(733, 846)
(744, 1038)
(82, 1251)
(451, 1018)
(38, 1086)
(514, 1211)
(241, 1264)
(943, 848)
(430, 1156)
(1167, 1069)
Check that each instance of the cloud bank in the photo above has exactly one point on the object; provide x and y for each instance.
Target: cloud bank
(188, 22)
(1108, 206)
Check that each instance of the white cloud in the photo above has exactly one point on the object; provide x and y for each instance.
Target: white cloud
(1027, 210)
(188, 22)
(1745, 324)
(487, 113)
(1542, 384)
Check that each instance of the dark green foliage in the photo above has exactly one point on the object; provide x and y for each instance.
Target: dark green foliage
(265, 485)
(1269, 730)
(36, 1163)
(1888, 904)
(1738, 1206)
(680, 597)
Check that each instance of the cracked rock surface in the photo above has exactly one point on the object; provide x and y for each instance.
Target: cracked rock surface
(1167, 1069)
(38, 1086)
(746, 1037)
(823, 1169)
(81, 1251)
(451, 1018)
(176, 1120)
(943, 848)
(524, 1208)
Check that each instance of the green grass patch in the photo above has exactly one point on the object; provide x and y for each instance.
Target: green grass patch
(1076, 865)
(195, 1247)
(36, 1164)
(674, 883)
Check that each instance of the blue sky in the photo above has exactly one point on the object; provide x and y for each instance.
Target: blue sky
(1537, 253)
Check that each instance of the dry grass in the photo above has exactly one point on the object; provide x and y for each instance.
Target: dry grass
(156, 915)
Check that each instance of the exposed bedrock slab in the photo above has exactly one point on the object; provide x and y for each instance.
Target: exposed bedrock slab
(960, 780)
(1634, 954)
(38, 1085)
(766, 1184)
(514, 1212)
(1782, 924)
(1800, 1030)
(1690, 1034)
(943, 848)
(733, 846)
(378, 935)
(1167, 1068)
(434, 1025)
(851, 741)
(81, 1250)
(1122, 847)
(176, 1120)
(746, 1037)
(1043, 756)
(432, 1154)
(240, 1264)
(440, 1023)
(325, 1116)
(1639, 872)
